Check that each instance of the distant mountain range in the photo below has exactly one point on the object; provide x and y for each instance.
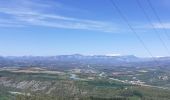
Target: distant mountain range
(81, 60)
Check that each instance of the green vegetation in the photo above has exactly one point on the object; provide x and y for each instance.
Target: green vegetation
(39, 86)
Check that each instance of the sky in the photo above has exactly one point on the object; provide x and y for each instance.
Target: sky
(88, 27)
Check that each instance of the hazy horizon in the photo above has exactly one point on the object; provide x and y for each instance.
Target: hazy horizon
(111, 55)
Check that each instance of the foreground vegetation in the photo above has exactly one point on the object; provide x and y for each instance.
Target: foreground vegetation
(44, 86)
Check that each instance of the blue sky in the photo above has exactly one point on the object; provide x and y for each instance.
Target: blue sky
(89, 27)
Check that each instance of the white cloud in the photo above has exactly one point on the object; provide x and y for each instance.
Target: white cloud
(161, 26)
(113, 54)
(33, 13)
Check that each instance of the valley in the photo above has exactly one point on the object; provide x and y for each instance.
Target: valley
(84, 81)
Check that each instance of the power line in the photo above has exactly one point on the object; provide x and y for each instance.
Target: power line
(133, 30)
(154, 29)
(158, 18)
